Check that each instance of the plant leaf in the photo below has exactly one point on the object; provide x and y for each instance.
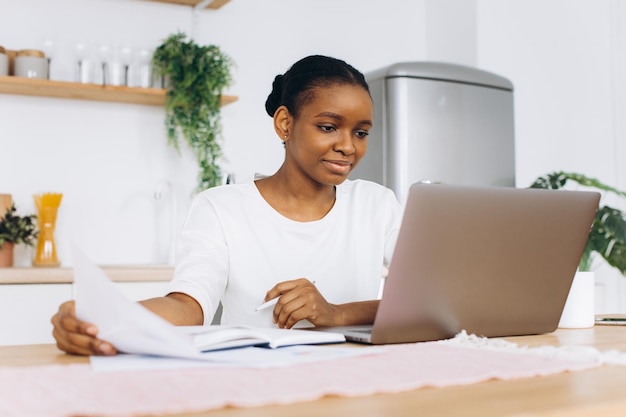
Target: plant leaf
(608, 231)
(17, 229)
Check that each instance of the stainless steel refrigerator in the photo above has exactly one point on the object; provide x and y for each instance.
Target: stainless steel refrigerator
(439, 122)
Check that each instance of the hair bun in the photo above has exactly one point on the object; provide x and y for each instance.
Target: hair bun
(274, 99)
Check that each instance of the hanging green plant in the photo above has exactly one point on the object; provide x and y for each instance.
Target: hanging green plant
(197, 75)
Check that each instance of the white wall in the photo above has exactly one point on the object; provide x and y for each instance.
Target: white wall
(567, 60)
(558, 54)
(565, 57)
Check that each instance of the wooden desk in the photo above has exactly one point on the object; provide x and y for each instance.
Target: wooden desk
(595, 392)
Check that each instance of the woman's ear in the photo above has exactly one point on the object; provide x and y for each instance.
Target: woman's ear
(282, 123)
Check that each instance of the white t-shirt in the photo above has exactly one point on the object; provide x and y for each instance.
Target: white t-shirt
(234, 247)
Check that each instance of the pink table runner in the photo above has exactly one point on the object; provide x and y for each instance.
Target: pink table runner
(66, 390)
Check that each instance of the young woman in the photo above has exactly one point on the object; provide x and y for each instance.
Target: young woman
(306, 235)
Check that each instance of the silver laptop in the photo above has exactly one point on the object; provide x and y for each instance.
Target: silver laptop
(492, 261)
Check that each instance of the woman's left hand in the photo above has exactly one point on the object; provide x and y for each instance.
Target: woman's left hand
(300, 300)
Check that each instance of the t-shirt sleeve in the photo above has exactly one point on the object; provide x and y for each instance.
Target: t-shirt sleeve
(201, 268)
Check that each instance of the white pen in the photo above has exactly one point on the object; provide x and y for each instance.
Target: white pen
(272, 302)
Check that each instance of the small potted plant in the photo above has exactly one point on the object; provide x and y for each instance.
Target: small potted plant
(15, 230)
(607, 237)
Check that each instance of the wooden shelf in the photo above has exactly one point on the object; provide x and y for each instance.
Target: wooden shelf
(63, 89)
(215, 4)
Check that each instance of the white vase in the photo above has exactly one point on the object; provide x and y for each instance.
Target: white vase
(579, 310)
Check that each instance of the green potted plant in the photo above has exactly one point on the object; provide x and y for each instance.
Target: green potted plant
(607, 237)
(15, 230)
(197, 76)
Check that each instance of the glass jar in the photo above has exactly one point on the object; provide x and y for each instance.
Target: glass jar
(4, 62)
(30, 63)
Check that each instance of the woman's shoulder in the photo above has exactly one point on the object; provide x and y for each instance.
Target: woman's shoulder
(227, 194)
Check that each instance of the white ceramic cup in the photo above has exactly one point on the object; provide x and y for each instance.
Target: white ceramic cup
(4, 64)
(579, 311)
(29, 66)
(115, 73)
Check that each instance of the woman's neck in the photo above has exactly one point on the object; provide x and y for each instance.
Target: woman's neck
(297, 200)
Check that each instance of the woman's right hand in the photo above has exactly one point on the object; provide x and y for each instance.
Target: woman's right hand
(75, 336)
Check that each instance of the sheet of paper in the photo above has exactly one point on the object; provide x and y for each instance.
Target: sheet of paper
(250, 357)
(129, 326)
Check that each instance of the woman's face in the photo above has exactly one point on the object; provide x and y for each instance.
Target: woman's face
(329, 137)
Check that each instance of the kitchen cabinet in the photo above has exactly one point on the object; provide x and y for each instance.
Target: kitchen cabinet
(25, 312)
(30, 296)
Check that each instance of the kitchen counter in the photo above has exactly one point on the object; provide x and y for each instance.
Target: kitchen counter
(64, 275)
(29, 296)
